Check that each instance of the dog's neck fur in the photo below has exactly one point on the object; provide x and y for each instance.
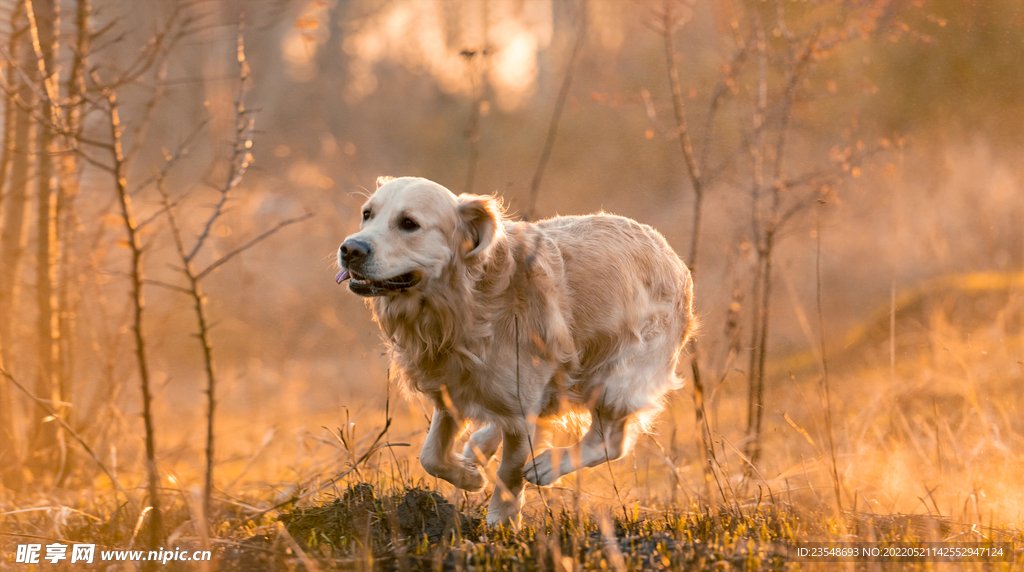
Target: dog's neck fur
(433, 337)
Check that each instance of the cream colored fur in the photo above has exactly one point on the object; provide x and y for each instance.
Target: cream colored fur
(512, 322)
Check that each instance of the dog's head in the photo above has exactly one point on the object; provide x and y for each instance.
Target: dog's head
(413, 232)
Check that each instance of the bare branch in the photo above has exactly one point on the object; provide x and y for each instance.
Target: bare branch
(51, 91)
(142, 127)
(171, 159)
(299, 496)
(721, 88)
(165, 207)
(42, 403)
(240, 156)
(698, 182)
(796, 69)
(132, 234)
(693, 170)
(252, 243)
(166, 285)
(563, 94)
(95, 162)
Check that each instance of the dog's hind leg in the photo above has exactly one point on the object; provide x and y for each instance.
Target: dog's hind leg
(633, 388)
(483, 443)
(440, 461)
(607, 439)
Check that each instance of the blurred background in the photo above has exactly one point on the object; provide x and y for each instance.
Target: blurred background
(857, 163)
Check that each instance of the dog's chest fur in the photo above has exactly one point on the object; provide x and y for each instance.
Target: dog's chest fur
(459, 345)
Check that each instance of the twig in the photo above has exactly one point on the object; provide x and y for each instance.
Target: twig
(824, 370)
(195, 292)
(563, 94)
(52, 414)
(296, 498)
(473, 127)
(240, 158)
(166, 285)
(705, 448)
(721, 89)
(766, 230)
(682, 132)
(529, 437)
(308, 563)
(141, 127)
(252, 243)
(169, 161)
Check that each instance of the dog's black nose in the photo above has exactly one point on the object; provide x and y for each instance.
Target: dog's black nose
(354, 252)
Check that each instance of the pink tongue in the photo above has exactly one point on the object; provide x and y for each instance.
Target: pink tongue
(342, 276)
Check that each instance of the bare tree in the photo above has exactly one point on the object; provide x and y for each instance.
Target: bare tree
(43, 23)
(476, 67)
(556, 116)
(673, 16)
(151, 60)
(16, 162)
(238, 164)
(777, 197)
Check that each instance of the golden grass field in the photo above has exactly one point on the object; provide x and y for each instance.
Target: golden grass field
(930, 451)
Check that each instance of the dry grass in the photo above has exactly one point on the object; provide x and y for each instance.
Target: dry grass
(932, 454)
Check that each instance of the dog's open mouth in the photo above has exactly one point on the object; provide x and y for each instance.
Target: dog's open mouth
(366, 287)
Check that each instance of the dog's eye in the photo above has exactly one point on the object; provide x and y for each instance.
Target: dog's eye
(366, 215)
(408, 224)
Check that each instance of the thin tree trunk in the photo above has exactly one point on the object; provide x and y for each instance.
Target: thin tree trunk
(8, 437)
(762, 275)
(563, 94)
(67, 297)
(68, 188)
(135, 273)
(765, 314)
(18, 136)
(705, 447)
(754, 344)
(204, 339)
(43, 22)
(797, 62)
(14, 228)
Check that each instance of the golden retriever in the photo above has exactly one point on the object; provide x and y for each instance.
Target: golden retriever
(507, 323)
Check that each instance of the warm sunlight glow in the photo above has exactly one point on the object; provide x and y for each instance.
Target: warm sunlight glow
(425, 38)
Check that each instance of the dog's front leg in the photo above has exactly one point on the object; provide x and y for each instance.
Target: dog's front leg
(440, 461)
(507, 500)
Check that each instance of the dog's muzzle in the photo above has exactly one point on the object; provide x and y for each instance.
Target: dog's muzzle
(353, 254)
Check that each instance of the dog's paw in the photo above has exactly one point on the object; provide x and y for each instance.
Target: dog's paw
(542, 470)
(466, 475)
(504, 509)
(470, 453)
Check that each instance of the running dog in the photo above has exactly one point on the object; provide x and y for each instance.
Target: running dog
(506, 323)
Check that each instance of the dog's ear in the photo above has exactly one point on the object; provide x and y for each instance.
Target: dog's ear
(383, 180)
(481, 221)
